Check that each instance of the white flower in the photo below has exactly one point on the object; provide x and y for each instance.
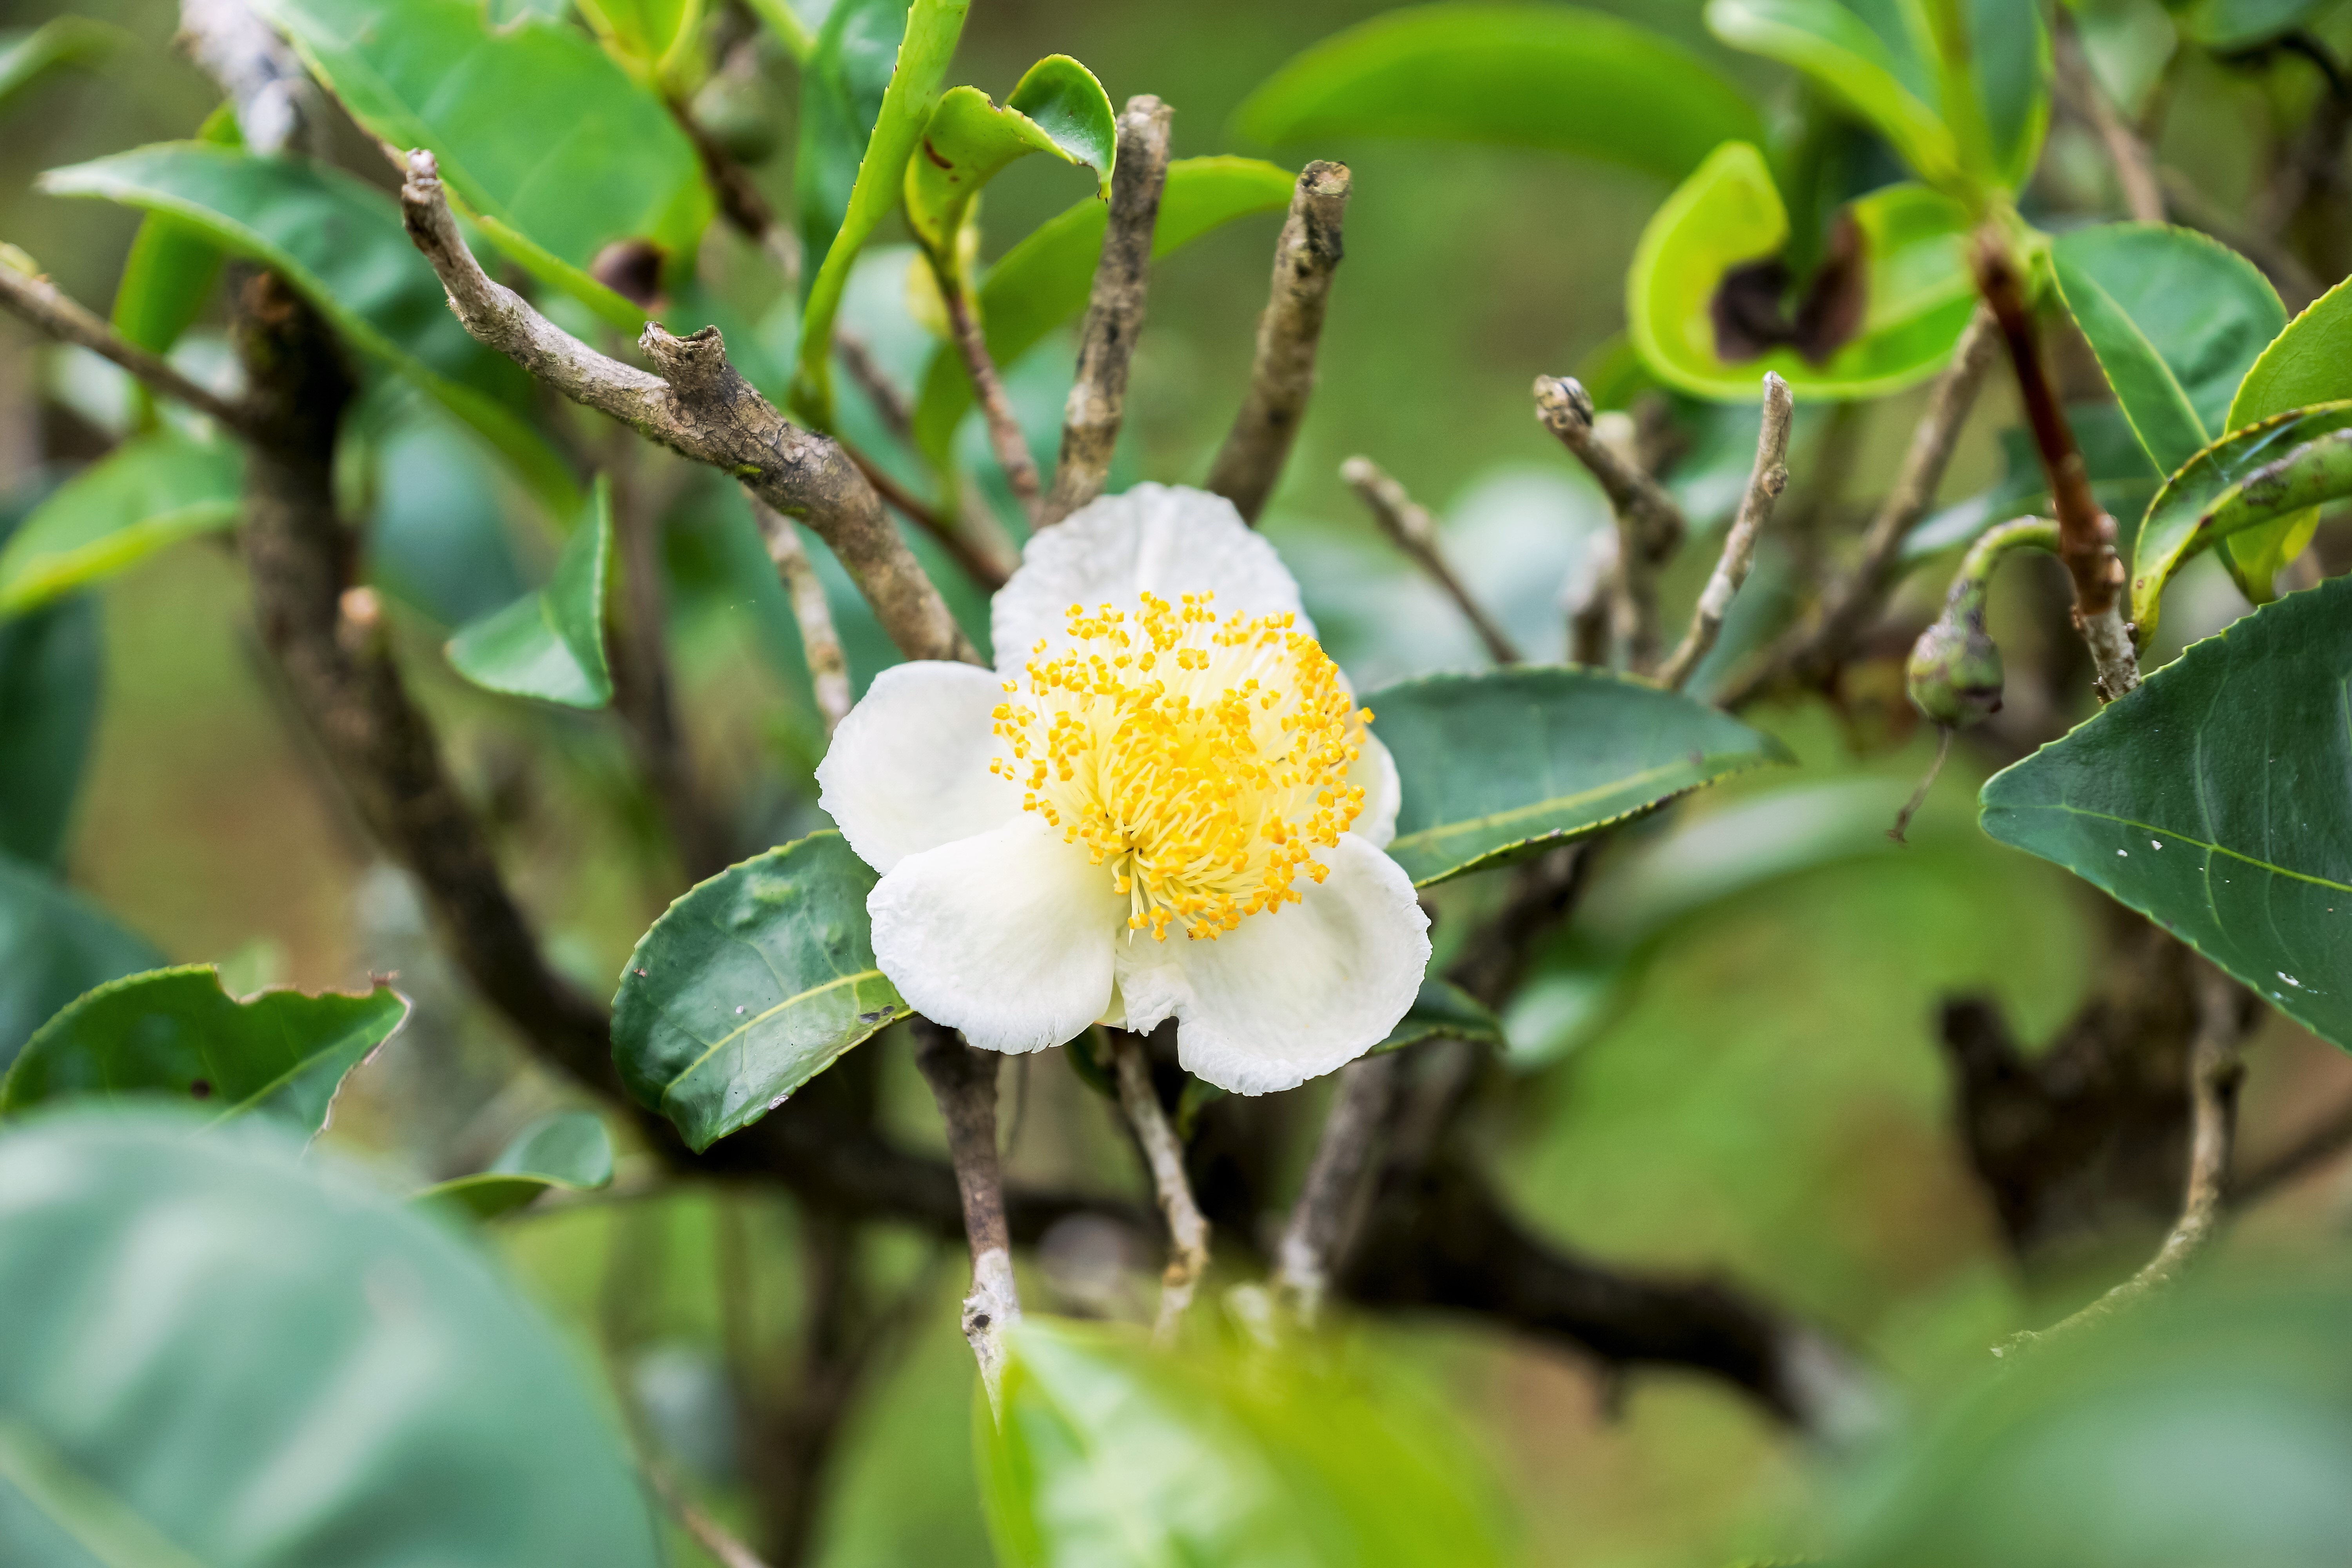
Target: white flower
(1163, 804)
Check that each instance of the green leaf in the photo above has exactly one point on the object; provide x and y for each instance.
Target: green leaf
(1057, 108)
(785, 23)
(651, 39)
(2309, 362)
(1044, 282)
(546, 138)
(1728, 220)
(1111, 1454)
(147, 493)
(570, 1149)
(175, 1033)
(51, 671)
(1502, 763)
(2176, 318)
(172, 267)
(2280, 467)
(59, 944)
(1552, 77)
(27, 57)
(2213, 800)
(750, 986)
(2229, 27)
(342, 244)
(550, 645)
(247, 1356)
(1443, 1011)
(929, 42)
(842, 84)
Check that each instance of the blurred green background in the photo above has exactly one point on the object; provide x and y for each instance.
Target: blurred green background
(1770, 1106)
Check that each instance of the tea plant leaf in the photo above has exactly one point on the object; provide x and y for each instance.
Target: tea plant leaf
(2309, 362)
(571, 1151)
(59, 944)
(1057, 108)
(150, 492)
(550, 645)
(1443, 1011)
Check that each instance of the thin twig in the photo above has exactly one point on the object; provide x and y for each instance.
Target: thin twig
(1649, 524)
(2086, 534)
(891, 403)
(2223, 1014)
(1411, 529)
(1097, 401)
(707, 1531)
(1306, 1257)
(963, 1081)
(1188, 1233)
(50, 310)
(2081, 91)
(1810, 652)
(974, 535)
(980, 566)
(1004, 433)
(1766, 480)
(699, 406)
(1282, 375)
(820, 643)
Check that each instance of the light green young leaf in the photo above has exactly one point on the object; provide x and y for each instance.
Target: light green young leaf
(542, 135)
(550, 645)
(570, 1149)
(291, 1357)
(2213, 800)
(2309, 362)
(750, 986)
(2176, 318)
(1507, 762)
(148, 493)
(1042, 281)
(1553, 77)
(1889, 81)
(789, 30)
(27, 57)
(929, 42)
(59, 944)
(651, 39)
(2280, 468)
(172, 265)
(1728, 220)
(174, 1034)
(1057, 108)
(340, 243)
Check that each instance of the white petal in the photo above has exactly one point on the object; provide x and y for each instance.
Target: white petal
(1166, 538)
(908, 770)
(1375, 772)
(1006, 936)
(1293, 994)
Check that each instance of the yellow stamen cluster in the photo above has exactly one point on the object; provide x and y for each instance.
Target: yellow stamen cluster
(1201, 760)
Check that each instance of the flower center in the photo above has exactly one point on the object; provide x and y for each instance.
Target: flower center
(1201, 760)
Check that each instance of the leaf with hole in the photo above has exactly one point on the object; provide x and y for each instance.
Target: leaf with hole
(2281, 468)
(59, 944)
(2217, 800)
(1044, 282)
(341, 245)
(536, 130)
(148, 493)
(550, 645)
(175, 1035)
(1443, 1011)
(1501, 764)
(1057, 108)
(297, 1369)
(2309, 362)
(1707, 298)
(750, 986)
(2176, 320)
(1549, 77)
(569, 1152)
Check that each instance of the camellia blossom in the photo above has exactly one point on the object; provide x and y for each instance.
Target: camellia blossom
(1165, 802)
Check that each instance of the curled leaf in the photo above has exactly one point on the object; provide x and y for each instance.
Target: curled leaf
(1058, 108)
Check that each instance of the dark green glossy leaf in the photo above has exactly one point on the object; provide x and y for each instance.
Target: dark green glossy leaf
(2176, 318)
(176, 1034)
(227, 1353)
(750, 986)
(535, 127)
(1042, 281)
(1057, 108)
(2309, 362)
(1553, 77)
(52, 666)
(27, 57)
(173, 265)
(2214, 801)
(1917, 295)
(1113, 1454)
(59, 944)
(550, 645)
(147, 493)
(340, 242)
(1443, 1011)
(2280, 467)
(570, 1149)
(1502, 763)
